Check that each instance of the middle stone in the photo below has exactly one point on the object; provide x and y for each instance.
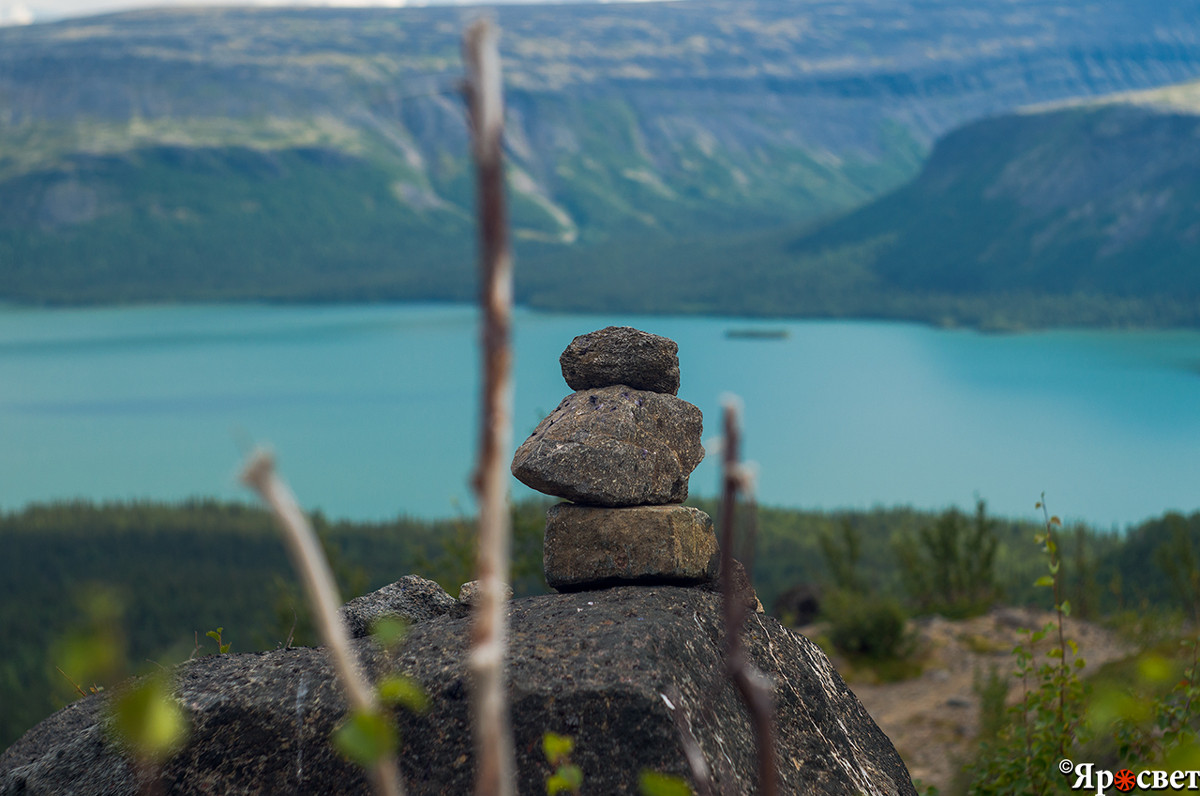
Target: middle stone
(614, 446)
(588, 547)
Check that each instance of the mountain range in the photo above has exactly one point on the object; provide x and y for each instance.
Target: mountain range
(677, 157)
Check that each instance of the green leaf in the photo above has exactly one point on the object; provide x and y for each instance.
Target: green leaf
(389, 631)
(215, 635)
(568, 779)
(1065, 607)
(1110, 705)
(366, 738)
(90, 657)
(148, 720)
(1044, 580)
(556, 747)
(651, 783)
(1053, 566)
(1155, 669)
(401, 690)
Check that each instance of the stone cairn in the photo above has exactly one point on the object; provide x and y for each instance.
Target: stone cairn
(621, 449)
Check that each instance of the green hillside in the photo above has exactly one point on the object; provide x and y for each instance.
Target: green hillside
(1092, 200)
(662, 156)
(1069, 215)
(222, 223)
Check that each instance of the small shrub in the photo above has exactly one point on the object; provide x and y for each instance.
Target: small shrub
(1150, 713)
(949, 568)
(866, 626)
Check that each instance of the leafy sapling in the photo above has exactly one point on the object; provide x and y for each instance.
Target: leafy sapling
(367, 736)
(144, 718)
(223, 646)
(1048, 720)
(370, 736)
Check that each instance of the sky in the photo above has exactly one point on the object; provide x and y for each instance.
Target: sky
(24, 12)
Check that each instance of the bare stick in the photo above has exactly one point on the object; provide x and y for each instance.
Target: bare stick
(493, 733)
(310, 564)
(754, 688)
(747, 484)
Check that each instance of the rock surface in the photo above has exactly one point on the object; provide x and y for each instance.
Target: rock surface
(591, 665)
(743, 589)
(412, 598)
(614, 446)
(472, 590)
(621, 355)
(590, 547)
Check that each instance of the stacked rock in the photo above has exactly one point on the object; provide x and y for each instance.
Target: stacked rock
(621, 449)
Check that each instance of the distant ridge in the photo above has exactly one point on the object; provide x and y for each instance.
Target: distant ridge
(666, 157)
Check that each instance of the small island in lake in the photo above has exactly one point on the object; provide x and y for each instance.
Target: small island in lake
(756, 334)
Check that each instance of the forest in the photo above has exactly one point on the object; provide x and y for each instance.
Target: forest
(178, 571)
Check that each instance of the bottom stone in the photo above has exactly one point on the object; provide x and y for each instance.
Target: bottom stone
(588, 546)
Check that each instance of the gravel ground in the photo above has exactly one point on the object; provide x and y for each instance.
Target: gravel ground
(933, 719)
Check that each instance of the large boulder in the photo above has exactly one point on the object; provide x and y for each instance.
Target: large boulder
(614, 446)
(621, 355)
(588, 546)
(600, 667)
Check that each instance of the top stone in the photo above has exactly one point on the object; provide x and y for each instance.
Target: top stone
(622, 355)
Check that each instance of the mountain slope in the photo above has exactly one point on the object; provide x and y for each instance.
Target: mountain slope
(321, 154)
(1095, 204)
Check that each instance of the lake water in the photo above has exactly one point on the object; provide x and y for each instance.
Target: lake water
(372, 409)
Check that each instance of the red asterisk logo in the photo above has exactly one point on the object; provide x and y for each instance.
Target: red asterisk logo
(1124, 780)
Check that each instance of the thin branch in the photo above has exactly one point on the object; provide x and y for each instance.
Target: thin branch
(311, 565)
(1052, 547)
(747, 473)
(494, 773)
(754, 688)
(74, 684)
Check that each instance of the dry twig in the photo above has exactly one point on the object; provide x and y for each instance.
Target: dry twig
(493, 733)
(754, 688)
(309, 562)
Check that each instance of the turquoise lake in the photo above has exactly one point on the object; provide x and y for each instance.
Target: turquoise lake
(371, 410)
